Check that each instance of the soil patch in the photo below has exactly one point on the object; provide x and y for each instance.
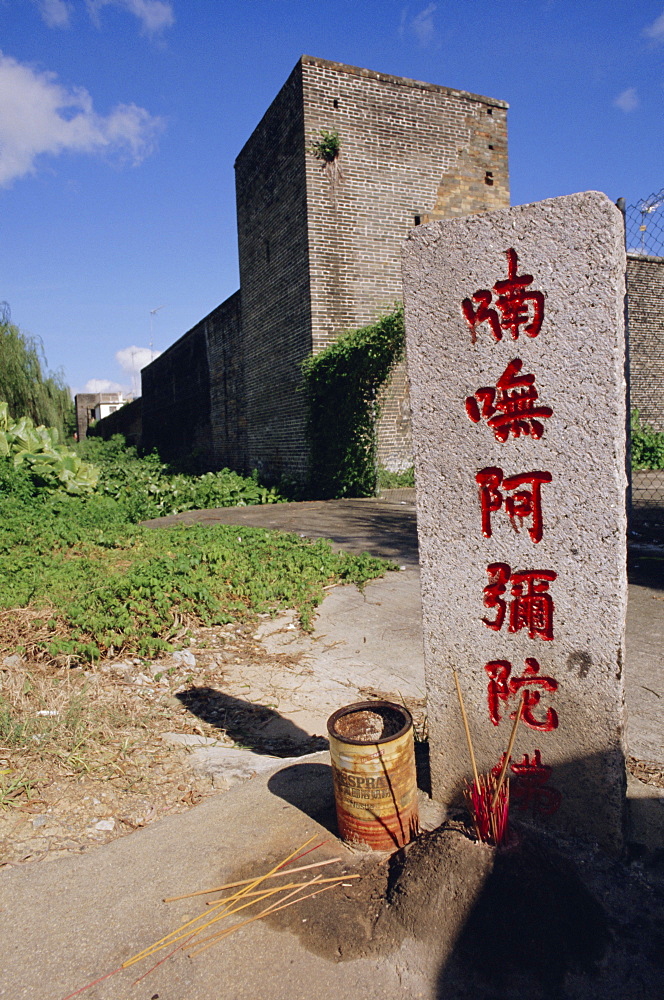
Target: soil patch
(541, 920)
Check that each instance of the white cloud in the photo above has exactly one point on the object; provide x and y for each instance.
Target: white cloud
(154, 15)
(55, 13)
(40, 116)
(421, 25)
(656, 29)
(133, 359)
(628, 100)
(102, 385)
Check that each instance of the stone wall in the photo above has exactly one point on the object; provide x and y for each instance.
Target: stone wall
(193, 395)
(645, 291)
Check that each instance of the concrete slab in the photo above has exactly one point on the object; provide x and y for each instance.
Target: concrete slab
(65, 924)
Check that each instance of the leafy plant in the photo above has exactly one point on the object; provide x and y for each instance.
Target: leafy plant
(146, 488)
(37, 448)
(342, 386)
(326, 146)
(647, 444)
(395, 480)
(103, 583)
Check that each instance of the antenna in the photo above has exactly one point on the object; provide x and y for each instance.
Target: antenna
(153, 313)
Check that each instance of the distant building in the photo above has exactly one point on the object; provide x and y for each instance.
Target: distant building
(94, 406)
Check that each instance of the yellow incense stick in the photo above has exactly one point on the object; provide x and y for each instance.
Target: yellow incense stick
(466, 726)
(246, 881)
(270, 909)
(176, 933)
(508, 753)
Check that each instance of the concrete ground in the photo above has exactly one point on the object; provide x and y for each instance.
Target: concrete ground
(68, 922)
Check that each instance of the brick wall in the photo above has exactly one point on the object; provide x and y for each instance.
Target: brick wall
(128, 421)
(176, 402)
(193, 408)
(223, 333)
(274, 278)
(409, 151)
(645, 296)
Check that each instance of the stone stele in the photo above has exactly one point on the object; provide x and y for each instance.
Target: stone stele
(516, 357)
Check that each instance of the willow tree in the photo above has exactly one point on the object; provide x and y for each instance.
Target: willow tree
(26, 385)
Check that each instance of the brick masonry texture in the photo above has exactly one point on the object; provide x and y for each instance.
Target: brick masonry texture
(645, 288)
(319, 248)
(410, 152)
(128, 421)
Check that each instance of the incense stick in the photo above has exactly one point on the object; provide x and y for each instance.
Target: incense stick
(271, 909)
(176, 934)
(289, 885)
(246, 881)
(508, 752)
(465, 725)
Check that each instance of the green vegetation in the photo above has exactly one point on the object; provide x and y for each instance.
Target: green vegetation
(326, 146)
(88, 580)
(342, 386)
(49, 464)
(395, 480)
(647, 445)
(24, 387)
(145, 487)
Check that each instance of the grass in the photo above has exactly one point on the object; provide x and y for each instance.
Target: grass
(82, 584)
(77, 582)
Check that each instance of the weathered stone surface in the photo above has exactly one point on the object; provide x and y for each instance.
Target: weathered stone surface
(573, 248)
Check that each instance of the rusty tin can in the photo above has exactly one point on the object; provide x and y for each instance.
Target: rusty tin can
(375, 781)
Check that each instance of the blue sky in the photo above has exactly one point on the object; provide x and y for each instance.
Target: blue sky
(120, 121)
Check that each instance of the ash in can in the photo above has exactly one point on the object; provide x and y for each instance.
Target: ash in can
(375, 782)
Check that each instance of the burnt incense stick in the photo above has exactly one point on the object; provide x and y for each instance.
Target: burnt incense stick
(466, 726)
(508, 752)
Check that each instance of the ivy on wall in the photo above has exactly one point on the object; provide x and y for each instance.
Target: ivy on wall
(342, 386)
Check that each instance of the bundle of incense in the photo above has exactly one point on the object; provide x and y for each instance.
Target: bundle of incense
(489, 808)
(488, 796)
(248, 893)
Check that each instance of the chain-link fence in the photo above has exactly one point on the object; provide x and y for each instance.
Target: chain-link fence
(644, 238)
(644, 226)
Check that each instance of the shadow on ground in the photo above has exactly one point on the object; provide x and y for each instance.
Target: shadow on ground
(308, 787)
(252, 725)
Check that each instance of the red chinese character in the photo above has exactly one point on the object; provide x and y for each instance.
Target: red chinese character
(524, 503)
(475, 317)
(531, 606)
(513, 298)
(501, 687)
(512, 301)
(510, 407)
(530, 786)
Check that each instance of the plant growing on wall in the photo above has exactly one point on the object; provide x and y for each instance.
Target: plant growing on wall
(326, 145)
(342, 386)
